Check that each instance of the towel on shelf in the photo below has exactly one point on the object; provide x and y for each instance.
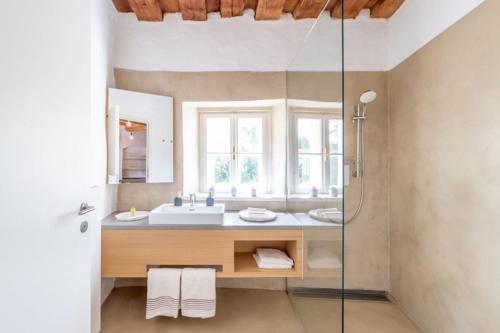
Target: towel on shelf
(263, 265)
(320, 258)
(273, 256)
(198, 292)
(164, 285)
(272, 259)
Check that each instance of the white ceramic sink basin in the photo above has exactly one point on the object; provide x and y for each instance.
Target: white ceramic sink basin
(198, 214)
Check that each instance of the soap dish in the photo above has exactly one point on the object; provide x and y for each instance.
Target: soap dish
(127, 216)
(265, 216)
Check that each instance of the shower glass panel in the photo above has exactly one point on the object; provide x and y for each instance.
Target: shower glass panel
(315, 171)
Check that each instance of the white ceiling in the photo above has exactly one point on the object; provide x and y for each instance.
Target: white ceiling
(243, 44)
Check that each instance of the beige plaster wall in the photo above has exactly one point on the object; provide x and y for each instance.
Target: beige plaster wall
(367, 238)
(183, 87)
(445, 178)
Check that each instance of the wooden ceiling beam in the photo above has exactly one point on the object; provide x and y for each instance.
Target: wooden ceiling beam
(269, 9)
(226, 8)
(290, 5)
(238, 7)
(351, 8)
(193, 10)
(231, 8)
(122, 6)
(371, 3)
(152, 10)
(330, 4)
(213, 6)
(169, 6)
(385, 8)
(251, 4)
(146, 10)
(308, 9)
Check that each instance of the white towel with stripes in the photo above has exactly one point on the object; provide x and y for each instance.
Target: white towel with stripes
(164, 285)
(198, 292)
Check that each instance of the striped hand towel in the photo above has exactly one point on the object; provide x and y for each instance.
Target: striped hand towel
(164, 285)
(198, 292)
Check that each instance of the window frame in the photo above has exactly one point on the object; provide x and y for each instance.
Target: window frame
(235, 115)
(325, 115)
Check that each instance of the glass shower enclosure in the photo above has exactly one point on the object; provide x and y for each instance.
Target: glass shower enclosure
(315, 170)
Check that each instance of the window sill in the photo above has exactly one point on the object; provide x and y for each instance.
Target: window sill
(226, 197)
(308, 198)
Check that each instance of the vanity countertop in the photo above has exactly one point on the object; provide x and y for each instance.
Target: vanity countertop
(231, 221)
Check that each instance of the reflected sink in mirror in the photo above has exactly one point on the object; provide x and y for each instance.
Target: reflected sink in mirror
(187, 214)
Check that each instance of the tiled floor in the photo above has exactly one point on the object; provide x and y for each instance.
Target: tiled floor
(243, 310)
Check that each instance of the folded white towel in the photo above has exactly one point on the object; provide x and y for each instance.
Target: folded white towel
(163, 292)
(262, 265)
(323, 257)
(198, 292)
(273, 256)
(253, 210)
(324, 263)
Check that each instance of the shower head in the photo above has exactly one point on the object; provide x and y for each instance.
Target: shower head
(368, 97)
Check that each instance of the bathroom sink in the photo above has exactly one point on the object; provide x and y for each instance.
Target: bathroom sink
(187, 214)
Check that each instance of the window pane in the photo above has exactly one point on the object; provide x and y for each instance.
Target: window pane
(218, 135)
(335, 170)
(250, 168)
(310, 172)
(250, 135)
(309, 135)
(218, 171)
(335, 134)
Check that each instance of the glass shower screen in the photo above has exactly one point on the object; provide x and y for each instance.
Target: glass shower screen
(315, 171)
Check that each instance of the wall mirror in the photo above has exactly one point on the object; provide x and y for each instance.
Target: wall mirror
(140, 137)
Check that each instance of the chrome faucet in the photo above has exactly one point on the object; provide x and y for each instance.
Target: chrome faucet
(192, 199)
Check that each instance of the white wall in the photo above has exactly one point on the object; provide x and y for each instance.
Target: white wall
(102, 14)
(417, 22)
(101, 52)
(236, 44)
(243, 44)
(365, 45)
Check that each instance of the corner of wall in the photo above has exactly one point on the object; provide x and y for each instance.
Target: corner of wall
(388, 170)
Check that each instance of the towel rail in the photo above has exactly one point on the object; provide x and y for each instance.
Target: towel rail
(218, 268)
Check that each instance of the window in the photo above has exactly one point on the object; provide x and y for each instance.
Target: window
(316, 144)
(234, 151)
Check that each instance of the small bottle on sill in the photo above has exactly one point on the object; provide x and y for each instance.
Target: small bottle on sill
(178, 200)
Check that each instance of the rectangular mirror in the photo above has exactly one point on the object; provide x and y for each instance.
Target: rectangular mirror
(140, 137)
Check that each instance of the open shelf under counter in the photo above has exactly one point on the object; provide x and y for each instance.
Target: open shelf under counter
(245, 265)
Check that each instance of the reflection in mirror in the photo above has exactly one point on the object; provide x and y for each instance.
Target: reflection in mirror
(140, 138)
(133, 148)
